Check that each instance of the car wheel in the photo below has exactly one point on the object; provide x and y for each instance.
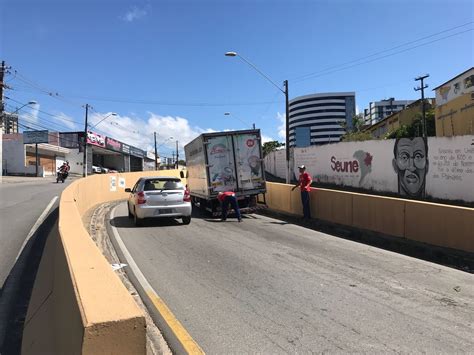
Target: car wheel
(138, 221)
(130, 215)
(187, 220)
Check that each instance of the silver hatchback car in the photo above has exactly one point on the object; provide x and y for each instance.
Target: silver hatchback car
(159, 197)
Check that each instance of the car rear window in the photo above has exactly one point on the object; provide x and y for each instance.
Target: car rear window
(163, 184)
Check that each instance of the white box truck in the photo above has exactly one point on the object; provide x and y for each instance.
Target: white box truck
(225, 161)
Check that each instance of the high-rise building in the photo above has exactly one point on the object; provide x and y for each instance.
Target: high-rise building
(320, 118)
(9, 122)
(378, 110)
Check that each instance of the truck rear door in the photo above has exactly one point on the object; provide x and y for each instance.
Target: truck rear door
(248, 161)
(221, 167)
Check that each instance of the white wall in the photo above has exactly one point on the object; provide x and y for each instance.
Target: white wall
(370, 165)
(275, 163)
(14, 156)
(75, 159)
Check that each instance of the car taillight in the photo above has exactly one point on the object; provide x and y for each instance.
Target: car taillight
(141, 198)
(187, 196)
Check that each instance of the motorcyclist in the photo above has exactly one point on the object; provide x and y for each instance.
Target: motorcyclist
(64, 170)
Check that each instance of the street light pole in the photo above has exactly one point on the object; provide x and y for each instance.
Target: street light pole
(110, 114)
(84, 157)
(156, 154)
(287, 124)
(287, 110)
(245, 123)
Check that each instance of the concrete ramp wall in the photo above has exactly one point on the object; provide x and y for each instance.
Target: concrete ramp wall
(431, 223)
(78, 304)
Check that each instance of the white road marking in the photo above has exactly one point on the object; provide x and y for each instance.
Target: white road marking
(40, 220)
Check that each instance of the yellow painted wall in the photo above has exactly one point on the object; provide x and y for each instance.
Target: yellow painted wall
(403, 117)
(456, 117)
(79, 305)
(440, 225)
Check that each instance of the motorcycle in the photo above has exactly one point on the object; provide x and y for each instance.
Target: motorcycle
(61, 176)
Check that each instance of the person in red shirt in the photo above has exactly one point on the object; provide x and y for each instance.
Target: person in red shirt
(304, 183)
(226, 198)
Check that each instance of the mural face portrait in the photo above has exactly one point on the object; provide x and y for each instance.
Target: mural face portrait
(410, 162)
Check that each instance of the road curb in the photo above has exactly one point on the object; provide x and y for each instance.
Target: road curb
(179, 340)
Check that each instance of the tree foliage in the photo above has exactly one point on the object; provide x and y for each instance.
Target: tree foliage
(355, 134)
(271, 146)
(415, 129)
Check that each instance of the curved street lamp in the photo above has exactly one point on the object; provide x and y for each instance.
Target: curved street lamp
(234, 115)
(103, 119)
(287, 111)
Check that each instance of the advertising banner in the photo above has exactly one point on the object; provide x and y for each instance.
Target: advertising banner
(95, 139)
(221, 163)
(249, 164)
(137, 152)
(125, 148)
(112, 144)
(35, 137)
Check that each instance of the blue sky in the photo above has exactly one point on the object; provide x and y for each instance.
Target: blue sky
(160, 65)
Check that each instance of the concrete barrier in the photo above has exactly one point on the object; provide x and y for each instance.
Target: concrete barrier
(78, 304)
(431, 223)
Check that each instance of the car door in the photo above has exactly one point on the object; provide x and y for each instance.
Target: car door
(131, 197)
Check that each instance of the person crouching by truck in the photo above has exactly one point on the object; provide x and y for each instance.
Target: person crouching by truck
(226, 198)
(304, 182)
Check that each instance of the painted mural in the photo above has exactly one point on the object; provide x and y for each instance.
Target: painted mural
(437, 167)
(410, 163)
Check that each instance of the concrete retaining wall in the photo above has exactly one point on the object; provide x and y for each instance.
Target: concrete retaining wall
(431, 223)
(78, 304)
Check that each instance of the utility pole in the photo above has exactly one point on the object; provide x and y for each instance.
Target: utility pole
(177, 155)
(172, 161)
(2, 75)
(422, 88)
(287, 121)
(156, 155)
(84, 158)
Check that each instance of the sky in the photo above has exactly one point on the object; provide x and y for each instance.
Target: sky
(160, 65)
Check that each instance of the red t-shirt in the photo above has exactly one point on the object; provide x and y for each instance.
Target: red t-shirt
(305, 180)
(223, 195)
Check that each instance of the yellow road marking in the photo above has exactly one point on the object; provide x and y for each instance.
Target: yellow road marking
(188, 343)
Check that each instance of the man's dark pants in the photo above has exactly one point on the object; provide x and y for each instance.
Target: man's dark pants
(232, 200)
(305, 201)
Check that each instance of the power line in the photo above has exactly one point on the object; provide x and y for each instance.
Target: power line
(55, 94)
(344, 66)
(47, 113)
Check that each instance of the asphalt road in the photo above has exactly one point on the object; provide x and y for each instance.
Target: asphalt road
(270, 287)
(22, 201)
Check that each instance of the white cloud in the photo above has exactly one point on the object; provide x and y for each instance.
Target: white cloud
(282, 127)
(139, 132)
(32, 115)
(266, 139)
(134, 14)
(65, 121)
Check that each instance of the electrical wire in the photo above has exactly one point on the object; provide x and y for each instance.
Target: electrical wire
(324, 72)
(47, 113)
(383, 51)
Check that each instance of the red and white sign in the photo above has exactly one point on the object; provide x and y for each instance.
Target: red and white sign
(95, 139)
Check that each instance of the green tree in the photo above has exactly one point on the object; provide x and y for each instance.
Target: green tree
(271, 146)
(415, 129)
(355, 134)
